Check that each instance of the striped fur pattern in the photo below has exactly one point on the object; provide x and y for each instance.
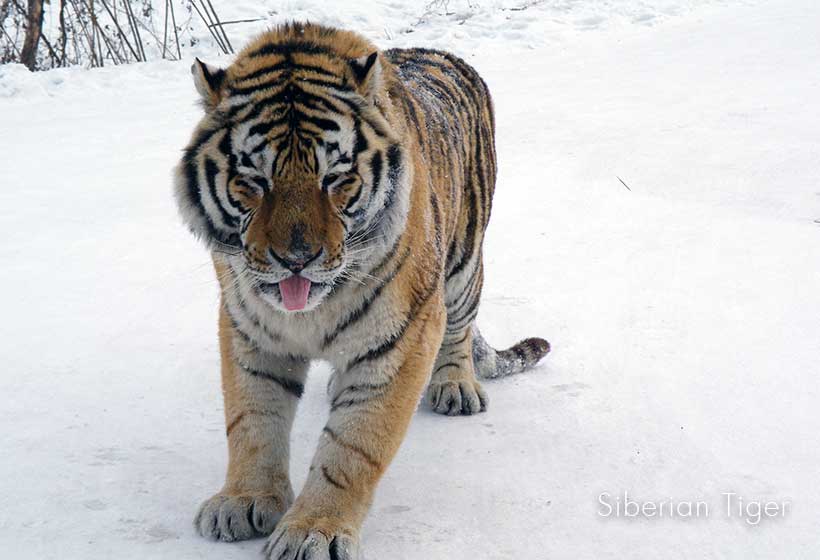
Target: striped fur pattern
(371, 175)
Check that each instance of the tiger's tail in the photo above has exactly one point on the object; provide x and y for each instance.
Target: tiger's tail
(490, 363)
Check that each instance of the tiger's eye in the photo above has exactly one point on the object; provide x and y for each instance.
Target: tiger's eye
(329, 179)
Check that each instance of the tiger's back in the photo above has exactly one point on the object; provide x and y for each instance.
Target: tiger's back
(450, 114)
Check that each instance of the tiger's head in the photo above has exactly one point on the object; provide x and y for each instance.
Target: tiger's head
(295, 170)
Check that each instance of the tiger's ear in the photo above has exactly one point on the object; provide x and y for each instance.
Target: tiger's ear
(208, 81)
(367, 73)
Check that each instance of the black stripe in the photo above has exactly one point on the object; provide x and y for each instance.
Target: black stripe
(314, 161)
(393, 162)
(347, 403)
(322, 124)
(466, 292)
(287, 65)
(211, 171)
(319, 103)
(466, 319)
(410, 108)
(464, 84)
(461, 340)
(376, 171)
(365, 307)
(434, 208)
(192, 179)
(388, 345)
(202, 138)
(342, 184)
(448, 364)
(387, 205)
(336, 551)
(353, 199)
(289, 94)
(355, 104)
(331, 480)
(258, 105)
(226, 148)
(353, 394)
(260, 87)
(302, 67)
(379, 125)
(469, 73)
(262, 128)
(469, 235)
(291, 47)
(485, 163)
(293, 114)
(232, 200)
(478, 169)
(260, 183)
(361, 142)
(244, 414)
(242, 334)
(451, 251)
(359, 387)
(289, 385)
(284, 64)
(251, 316)
(444, 92)
(355, 448)
(327, 84)
(264, 143)
(473, 291)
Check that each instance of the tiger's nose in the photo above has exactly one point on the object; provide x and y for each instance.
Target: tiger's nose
(295, 262)
(299, 252)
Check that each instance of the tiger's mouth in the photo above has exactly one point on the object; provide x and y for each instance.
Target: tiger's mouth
(295, 293)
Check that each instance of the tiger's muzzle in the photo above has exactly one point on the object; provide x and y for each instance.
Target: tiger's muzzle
(294, 244)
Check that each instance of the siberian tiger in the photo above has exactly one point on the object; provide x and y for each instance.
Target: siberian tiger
(343, 193)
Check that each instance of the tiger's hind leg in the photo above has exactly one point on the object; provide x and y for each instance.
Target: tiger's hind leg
(453, 389)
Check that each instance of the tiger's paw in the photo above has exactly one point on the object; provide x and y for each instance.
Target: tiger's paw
(235, 518)
(291, 541)
(457, 397)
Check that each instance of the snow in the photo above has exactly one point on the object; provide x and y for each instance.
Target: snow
(684, 312)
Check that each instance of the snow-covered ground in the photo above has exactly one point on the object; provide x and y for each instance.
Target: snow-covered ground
(684, 310)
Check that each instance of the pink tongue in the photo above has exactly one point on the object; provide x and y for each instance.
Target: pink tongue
(295, 291)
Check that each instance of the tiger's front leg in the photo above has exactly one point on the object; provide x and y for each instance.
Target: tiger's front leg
(372, 406)
(261, 392)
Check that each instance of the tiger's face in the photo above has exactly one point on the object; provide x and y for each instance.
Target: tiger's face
(292, 237)
(298, 231)
(291, 172)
